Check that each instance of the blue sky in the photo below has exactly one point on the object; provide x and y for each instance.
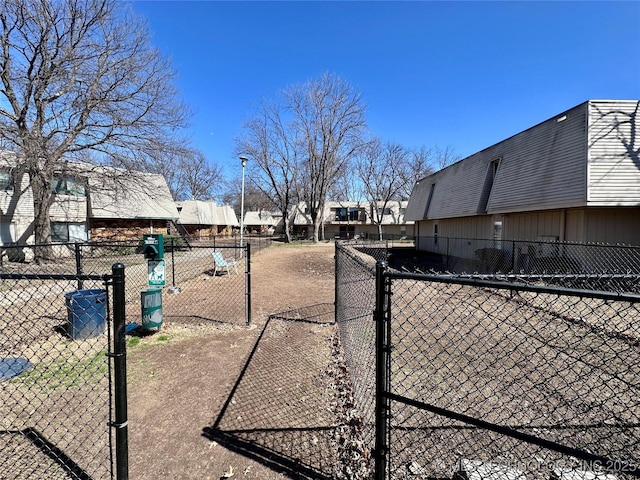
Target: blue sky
(460, 74)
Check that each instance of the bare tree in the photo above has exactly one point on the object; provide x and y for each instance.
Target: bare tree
(383, 170)
(444, 156)
(330, 118)
(254, 198)
(422, 162)
(271, 144)
(199, 178)
(79, 75)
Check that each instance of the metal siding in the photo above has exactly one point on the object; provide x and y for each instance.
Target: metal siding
(478, 226)
(19, 201)
(459, 188)
(416, 209)
(543, 167)
(68, 209)
(549, 224)
(574, 226)
(614, 161)
(613, 226)
(544, 225)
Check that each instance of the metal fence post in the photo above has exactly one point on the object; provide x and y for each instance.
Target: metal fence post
(336, 283)
(78, 265)
(447, 257)
(247, 267)
(120, 373)
(381, 448)
(173, 265)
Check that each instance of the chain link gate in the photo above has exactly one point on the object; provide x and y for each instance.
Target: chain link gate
(60, 393)
(487, 377)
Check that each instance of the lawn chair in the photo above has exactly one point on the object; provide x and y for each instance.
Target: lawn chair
(219, 262)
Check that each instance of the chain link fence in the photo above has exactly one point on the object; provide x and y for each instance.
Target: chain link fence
(55, 377)
(195, 291)
(532, 379)
(56, 340)
(480, 376)
(574, 265)
(355, 301)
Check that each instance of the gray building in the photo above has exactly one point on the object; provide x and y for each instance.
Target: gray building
(572, 178)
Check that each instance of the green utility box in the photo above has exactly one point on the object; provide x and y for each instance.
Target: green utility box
(153, 246)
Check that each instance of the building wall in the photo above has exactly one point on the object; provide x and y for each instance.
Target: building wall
(16, 213)
(544, 225)
(613, 225)
(67, 208)
(614, 154)
(577, 225)
(124, 230)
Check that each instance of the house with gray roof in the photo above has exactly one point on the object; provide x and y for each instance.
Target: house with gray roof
(574, 177)
(261, 222)
(202, 218)
(356, 219)
(90, 202)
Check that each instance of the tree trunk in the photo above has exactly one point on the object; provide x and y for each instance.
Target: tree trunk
(316, 226)
(41, 189)
(287, 228)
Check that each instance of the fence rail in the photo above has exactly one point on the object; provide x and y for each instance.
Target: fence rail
(484, 373)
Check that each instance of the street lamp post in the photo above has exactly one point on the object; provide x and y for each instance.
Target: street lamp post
(243, 160)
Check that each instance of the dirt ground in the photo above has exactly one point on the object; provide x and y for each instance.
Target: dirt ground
(211, 401)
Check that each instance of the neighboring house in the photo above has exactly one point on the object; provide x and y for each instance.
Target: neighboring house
(205, 219)
(16, 203)
(228, 220)
(125, 205)
(90, 203)
(261, 222)
(572, 178)
(356, 220)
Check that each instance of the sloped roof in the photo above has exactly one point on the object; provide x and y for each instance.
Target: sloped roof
(259, 218)
(577, 158)
(198, 212)
(114, 193)
(226, 216)
(120, 194)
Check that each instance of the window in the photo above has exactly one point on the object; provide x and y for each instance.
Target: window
(7, 233)
(6, 180)
(68, 232)
(347, 231)
(492, 171)
(68, 186)
(426, 209)
(497, 230)
(347, 214)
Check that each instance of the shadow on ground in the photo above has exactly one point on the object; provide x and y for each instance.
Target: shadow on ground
(279, 412)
